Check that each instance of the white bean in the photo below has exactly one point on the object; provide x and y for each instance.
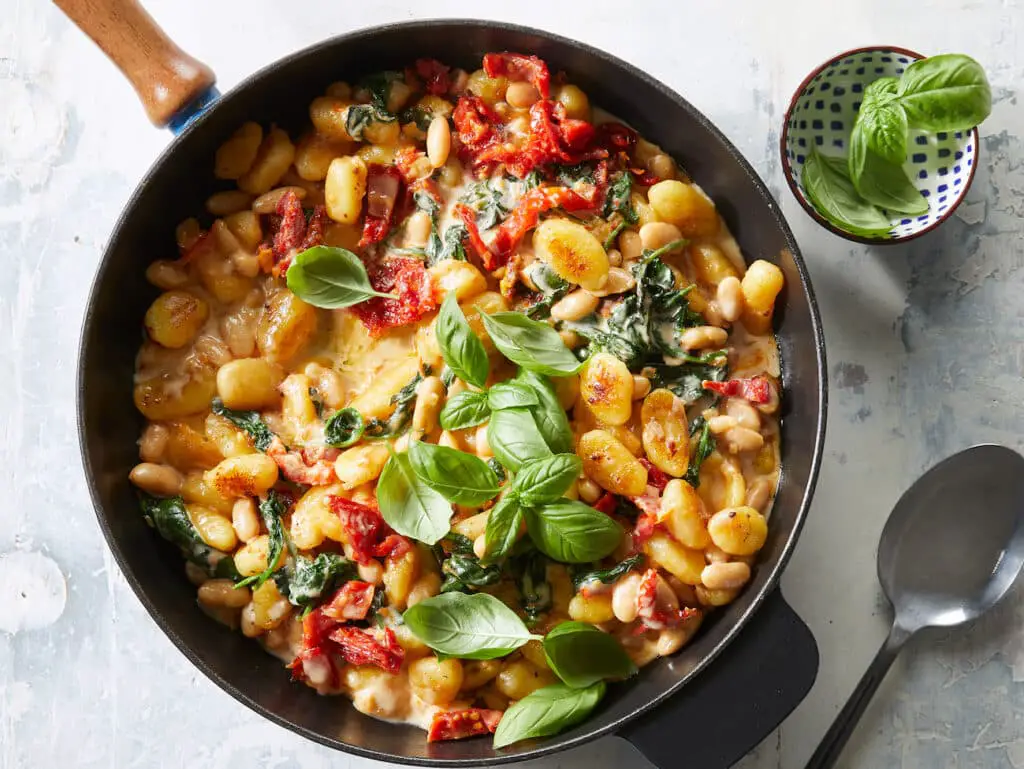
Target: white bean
(732, 574)
(619, 281)
(417, 229)
(244, 519)
(579, 304)
(703, 337)
(589, 491)
(158, 480)
(730, 298)
(654, 235)
(439, 141)
(758, 493)
(641, 387)
(740, 439)
(624, 593)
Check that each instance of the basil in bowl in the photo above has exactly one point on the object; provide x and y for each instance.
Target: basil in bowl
(880, 144)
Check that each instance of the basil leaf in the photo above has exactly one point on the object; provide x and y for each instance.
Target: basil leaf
(581, 576)
(948, 92)
(533, 345)
(250, 421)
(548, 414)
(330, 278)
(306, 581)
(170, 519)
(465, 409)
(344, 428)
(408, 505)
(510, 395)
(473, 627)
(547, 711)
(502, 528)
(546, 479)
(705, 445)
(572, 532)
(582, 655)
(829, 189)
(514, 438)
(272, 510)
(461, 478)
(880, 182)
(461, 348)
(885, 130)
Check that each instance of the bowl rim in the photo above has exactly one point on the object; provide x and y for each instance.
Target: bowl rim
(556, 743)
(788, 172)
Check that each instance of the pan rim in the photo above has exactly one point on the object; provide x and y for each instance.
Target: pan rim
(553, 744)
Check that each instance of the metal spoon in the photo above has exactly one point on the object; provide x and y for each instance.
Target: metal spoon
(952, 547)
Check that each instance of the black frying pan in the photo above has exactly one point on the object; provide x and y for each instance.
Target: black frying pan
(171, 85)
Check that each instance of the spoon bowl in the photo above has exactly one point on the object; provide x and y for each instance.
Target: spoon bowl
(952, 547)
(954, 543)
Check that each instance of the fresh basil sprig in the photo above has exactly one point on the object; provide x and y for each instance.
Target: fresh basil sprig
(502, 530)
(410, 506)
(880, 181)
(510, 395)
(548, 414)
(948, 92)
(572, 532)
(828, 186)
(474, 626)
(330, 277)
(344, 428)
(465, 409)
(514, 438)
(533, 345)
(547, 711)
(582, 655)
(544, 480)
(461, 349)
(461, 478)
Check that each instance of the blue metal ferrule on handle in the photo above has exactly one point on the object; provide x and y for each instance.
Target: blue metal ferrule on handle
(188, 114)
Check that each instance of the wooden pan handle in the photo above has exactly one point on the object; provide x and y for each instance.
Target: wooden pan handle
(164, 76)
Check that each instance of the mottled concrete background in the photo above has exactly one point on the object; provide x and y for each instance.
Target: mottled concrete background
(924, 343)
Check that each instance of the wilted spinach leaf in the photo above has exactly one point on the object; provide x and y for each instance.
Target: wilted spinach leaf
(464, 572)
(617, 198)
(404, 401)
(487, 199)
(272, 510)
(307, 581)
(530, 570)
(584, 574)
(170, 519)
(705, 445)
(250, 421)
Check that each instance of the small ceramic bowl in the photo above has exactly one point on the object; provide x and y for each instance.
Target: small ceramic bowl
(821, 114)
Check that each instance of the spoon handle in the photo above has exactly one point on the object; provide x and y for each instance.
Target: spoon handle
(834, 740)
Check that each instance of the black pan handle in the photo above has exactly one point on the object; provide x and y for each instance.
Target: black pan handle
(165, 78)
(732, 706)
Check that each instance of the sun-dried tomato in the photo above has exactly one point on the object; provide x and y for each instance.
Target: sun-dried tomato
(655, 616)
(433, 74)
(360, 647)
(756, 390)
(316, 626)
(476, 242)
(393, 546)
(615, 136)
(516, 66)
(364, 527)
(291, 229)
(655, 477)
(606, 504)
(643, 177)
(383, 184)
(646, 524)
(526, 214)
(310, 467)
(409, 281)
(474, 124)
(459, 724)
(315, 228)
(351, 602)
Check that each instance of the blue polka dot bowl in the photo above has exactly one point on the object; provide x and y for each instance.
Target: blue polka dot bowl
(821, 114)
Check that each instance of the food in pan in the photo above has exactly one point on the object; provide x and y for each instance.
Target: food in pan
(462, 404)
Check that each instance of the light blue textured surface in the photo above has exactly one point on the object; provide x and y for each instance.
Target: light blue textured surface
(924, 340)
